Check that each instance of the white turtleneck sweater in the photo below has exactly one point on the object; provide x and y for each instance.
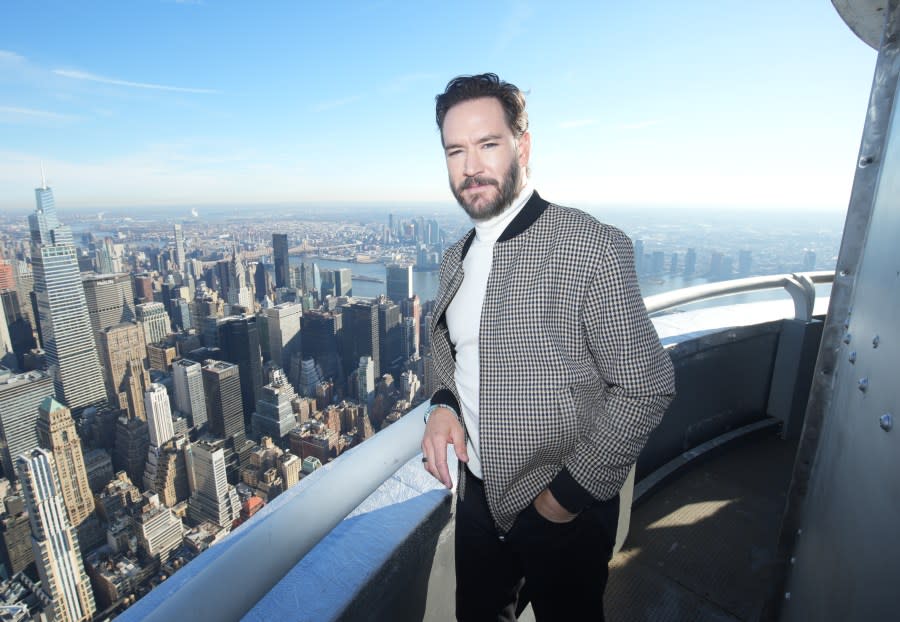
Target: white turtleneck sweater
(464, 318)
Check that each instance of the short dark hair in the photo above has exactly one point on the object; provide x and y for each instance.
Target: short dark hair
(464, 88)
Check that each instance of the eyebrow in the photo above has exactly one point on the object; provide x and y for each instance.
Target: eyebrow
(482, 140)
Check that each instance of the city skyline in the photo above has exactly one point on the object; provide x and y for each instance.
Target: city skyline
(702, 105)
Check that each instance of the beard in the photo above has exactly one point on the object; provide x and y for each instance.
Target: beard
(507, 190)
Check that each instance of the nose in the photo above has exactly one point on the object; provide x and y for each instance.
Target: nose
(473, 164)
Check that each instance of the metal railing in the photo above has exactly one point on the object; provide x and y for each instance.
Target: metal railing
(286, 530)
(218, 585)
(801, 287)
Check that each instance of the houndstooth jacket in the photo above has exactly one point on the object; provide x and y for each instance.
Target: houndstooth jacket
(573, 376)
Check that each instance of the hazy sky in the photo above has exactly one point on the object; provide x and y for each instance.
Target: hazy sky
(717, 103)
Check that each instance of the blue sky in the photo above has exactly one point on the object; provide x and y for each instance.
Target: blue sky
(719, 103)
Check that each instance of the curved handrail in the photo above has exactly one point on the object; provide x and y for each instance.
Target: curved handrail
(799, 285)
(282, 533)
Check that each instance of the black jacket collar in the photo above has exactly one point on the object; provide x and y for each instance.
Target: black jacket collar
(524, 219)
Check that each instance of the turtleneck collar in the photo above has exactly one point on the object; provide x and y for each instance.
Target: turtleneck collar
(488, 231)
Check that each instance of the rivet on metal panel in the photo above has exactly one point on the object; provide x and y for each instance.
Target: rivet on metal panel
(853, 357)
(787, 595)
(865, 161)
(863, 384)
(844, 272)
(886, 421)
(875, 341)
(848, 338)
(793, 560)
(799, 531)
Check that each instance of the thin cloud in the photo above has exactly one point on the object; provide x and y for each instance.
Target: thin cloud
(12, 113)
(11, 57)
(90, 77)
(568, 125)
(336, 103)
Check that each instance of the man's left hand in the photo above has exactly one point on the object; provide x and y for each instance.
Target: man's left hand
(549, 508)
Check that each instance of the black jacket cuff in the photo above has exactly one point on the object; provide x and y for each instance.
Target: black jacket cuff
(446, 397)
(569, 493)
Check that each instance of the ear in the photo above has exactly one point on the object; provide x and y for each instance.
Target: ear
(524, 149)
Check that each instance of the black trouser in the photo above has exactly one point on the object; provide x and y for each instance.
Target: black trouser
(560, 568)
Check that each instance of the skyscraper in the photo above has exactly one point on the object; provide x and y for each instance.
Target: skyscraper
(361, 335)
(56, 550)
(390, 337)
(180, 257)
(125, 365)
(399, 282)
(189, 397)
(639, 257)
(343, 282)
(365, 377)
(108, 257)
(239, 340)
(166, 473)
(15, 536)
(65, 325)
(690, 262)
(19, 323)
(409, 338)
(238, 293)
(21, 396)
(412, 311)
(143, 287)
(132, 443)
(110, 300)
(222, 386)
(7, 354)
(159, 415)
(159, 529)
(809, 260)
(321, 341)
(274, 415)
(262, 282)
(213, 499)
(282, 259)
(284, 332)
(326, 284)
(56, 430)
(154, 321)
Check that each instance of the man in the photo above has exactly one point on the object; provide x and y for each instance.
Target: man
(550, 374)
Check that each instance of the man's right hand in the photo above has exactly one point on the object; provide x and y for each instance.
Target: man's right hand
(443, 428)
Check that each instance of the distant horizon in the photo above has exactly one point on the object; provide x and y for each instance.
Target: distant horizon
(127, 210)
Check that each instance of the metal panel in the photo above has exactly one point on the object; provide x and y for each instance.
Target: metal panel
(792, 377)
(841, 518)
(722, 382)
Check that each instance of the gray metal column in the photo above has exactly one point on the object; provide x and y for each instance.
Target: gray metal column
(840, 548)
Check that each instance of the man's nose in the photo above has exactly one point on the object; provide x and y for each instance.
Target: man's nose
(474, 164)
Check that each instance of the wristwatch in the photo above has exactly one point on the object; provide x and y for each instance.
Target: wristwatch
(434, 407)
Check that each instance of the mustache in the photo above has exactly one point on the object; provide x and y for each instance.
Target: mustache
(468, 182)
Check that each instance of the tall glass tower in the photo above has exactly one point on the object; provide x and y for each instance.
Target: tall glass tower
(180, 257)
(281, 252)
(65, 324)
